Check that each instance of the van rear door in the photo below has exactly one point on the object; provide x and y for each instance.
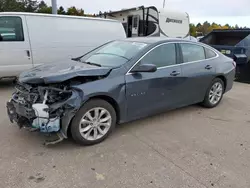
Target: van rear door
(15, 51)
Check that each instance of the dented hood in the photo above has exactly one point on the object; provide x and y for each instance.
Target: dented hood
(61, 71)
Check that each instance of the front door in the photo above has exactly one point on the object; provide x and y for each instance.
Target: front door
(150, 93)
(15, 54)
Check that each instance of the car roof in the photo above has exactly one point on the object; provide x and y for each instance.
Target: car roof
(152, 40)
(159, 40)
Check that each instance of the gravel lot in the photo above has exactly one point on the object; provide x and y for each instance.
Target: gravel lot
(188, 147)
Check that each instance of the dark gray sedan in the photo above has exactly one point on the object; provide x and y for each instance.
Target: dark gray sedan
(119, 82)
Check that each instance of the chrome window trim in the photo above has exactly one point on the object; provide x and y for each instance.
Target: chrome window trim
(176, 42)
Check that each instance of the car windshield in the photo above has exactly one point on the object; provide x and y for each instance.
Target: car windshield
(113, 54)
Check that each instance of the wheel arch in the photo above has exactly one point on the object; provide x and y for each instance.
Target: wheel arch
(106, 98)
(111, 101)
(223, 78)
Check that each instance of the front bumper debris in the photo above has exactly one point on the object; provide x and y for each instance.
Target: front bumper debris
(12, 112)
(34, 114)
(23, 122)
(18, 114)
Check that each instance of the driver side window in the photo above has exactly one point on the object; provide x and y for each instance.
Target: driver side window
(161, 56)
(11, 29)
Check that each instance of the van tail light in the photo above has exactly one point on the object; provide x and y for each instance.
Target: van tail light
(234, 63)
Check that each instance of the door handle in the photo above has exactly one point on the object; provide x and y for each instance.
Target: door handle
(175, 73)
(208, 67)
(28, 53)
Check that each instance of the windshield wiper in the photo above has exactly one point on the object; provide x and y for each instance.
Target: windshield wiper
(76, 59)
(90, 63)
(114, 55)
(86, 62)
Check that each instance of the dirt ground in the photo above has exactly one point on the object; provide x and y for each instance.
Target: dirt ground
(188, 147)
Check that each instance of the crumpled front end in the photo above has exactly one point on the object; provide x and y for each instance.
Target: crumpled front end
(48, 108)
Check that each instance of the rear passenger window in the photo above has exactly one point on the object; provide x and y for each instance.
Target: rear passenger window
(209, 53)
(11, 29)
(161, 56)
(192, 52)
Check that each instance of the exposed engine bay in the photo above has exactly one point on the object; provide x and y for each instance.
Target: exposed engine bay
(47, 108)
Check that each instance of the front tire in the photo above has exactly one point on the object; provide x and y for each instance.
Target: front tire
(93, 122)
(214, 93)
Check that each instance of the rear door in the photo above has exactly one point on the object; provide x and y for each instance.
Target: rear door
(149, 93)
(198, 69)
(15, 52)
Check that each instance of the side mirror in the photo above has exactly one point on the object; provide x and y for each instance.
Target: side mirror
(144, 68)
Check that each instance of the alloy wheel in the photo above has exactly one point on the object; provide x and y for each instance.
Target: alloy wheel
(95, 124)
(215, 93)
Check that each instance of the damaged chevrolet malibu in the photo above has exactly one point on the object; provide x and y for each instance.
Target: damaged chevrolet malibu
(120, 81)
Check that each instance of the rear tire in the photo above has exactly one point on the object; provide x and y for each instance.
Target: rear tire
(87, 128)
(214, 93)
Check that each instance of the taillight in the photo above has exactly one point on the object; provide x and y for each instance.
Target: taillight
(234, 63)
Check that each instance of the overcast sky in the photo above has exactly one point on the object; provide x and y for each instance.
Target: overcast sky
(219, 11)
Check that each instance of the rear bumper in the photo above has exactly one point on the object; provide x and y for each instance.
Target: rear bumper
(230, 77)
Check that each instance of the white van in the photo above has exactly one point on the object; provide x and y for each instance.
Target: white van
(152, 21)
(29, 39)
